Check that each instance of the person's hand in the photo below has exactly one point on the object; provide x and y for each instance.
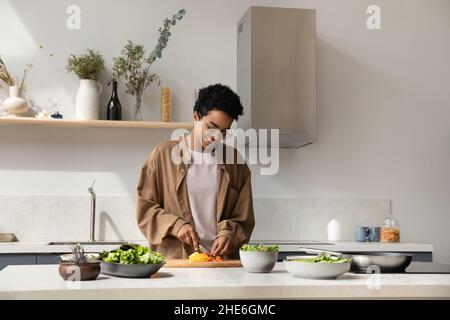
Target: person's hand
(188, 235)
(222, 246)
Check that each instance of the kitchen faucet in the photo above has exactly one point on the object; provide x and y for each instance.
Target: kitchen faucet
(92, 218)
(91, 240)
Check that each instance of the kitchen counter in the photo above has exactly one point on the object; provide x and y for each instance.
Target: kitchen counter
(371, 247)
(285, 246)
(44, 282)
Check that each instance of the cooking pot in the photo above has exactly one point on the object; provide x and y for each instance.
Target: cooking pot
(384, 262)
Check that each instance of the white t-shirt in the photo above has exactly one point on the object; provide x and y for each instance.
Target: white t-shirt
(202, 184)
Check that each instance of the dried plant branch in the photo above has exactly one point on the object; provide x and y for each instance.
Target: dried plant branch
(6, 77)
(134, 66)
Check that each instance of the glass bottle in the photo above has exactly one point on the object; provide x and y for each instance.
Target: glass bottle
(114, 109)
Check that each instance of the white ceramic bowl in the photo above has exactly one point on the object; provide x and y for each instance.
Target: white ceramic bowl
(311, 270)
(258, 261)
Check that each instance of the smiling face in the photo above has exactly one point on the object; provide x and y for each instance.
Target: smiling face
(211, 128)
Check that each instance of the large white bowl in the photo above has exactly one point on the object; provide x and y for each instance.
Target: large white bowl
(311, 270)
(258, 261)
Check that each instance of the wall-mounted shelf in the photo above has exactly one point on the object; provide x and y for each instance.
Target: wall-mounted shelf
(94, 123)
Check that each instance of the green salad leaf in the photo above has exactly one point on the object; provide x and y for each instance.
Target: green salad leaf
(260, 247)
(324, 259)
(132, 254)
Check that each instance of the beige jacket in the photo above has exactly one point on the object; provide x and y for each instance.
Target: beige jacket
(163, 202)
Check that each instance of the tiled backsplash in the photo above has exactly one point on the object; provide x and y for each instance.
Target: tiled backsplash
(66, 218)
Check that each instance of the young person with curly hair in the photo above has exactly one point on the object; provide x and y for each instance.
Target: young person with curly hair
(202, 201)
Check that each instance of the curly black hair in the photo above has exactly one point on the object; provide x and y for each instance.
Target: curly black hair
(218, 97)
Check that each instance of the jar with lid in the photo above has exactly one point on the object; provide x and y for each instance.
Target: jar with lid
(166, 102)
(390, 231)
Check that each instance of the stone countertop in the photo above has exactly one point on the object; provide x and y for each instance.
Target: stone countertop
(285, 246)
(44, 282)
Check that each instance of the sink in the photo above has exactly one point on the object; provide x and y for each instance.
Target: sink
(86, 243)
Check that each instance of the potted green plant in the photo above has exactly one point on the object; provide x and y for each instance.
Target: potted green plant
(87, 67)
(134, 66)
(78, 266)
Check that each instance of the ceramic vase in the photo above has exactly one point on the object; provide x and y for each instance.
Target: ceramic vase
(15, 104)
(87, 104)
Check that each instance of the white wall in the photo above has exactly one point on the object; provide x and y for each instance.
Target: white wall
(383, 101)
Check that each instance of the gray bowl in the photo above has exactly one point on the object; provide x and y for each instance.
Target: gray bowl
(130, 270)
(258, 261)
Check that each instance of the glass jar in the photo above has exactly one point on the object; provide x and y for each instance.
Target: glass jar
(166, 102)
(390, 231)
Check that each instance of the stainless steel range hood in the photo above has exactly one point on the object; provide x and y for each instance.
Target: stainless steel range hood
(276, 72)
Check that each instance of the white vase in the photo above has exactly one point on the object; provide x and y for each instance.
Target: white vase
(334, 231)
(15, 104)
(87, 101)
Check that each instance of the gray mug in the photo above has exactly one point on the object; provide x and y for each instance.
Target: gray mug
(364, 234)
(374, 234)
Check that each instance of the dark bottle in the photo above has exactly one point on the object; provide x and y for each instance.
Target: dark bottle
(114, 109)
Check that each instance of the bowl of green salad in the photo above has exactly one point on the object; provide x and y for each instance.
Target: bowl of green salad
(258, 258)
(317, 267)
(131, 261)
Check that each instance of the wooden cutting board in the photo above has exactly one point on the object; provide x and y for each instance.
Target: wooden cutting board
(185, 263)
